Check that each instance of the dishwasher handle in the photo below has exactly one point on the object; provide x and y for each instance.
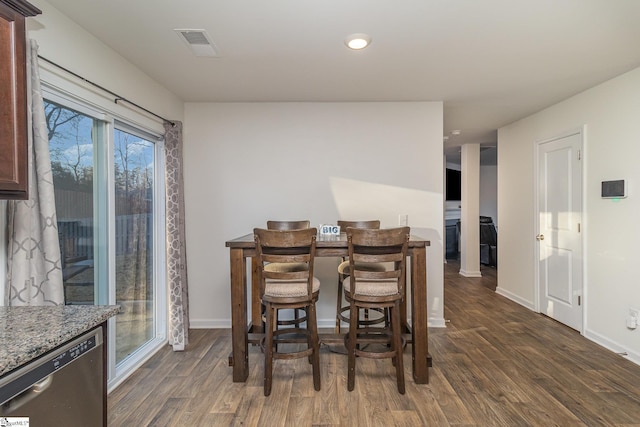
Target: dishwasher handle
(31, 393)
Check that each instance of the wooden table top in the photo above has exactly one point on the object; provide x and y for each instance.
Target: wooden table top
(247, 242)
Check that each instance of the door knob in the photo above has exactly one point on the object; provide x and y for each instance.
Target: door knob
(540, 237)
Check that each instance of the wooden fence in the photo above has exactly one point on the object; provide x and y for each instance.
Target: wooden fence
(132, 233)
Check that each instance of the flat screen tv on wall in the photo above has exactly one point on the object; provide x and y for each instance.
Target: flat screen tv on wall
(453, 184)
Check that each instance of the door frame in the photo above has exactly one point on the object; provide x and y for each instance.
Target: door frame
(582, 131)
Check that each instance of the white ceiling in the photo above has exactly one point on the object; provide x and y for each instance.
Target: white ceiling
(490, 61)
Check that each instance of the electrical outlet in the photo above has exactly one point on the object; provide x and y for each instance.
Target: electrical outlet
(403, 219)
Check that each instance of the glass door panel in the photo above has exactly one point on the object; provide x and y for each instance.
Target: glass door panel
(71, 147)
(134, 171)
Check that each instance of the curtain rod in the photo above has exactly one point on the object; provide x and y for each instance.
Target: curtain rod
(118, 97)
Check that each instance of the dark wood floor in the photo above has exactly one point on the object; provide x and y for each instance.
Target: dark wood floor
(496, 363)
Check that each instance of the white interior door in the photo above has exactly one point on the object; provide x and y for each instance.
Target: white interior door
(560, 278)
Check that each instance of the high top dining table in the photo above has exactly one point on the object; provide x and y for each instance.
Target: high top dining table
(242, 332)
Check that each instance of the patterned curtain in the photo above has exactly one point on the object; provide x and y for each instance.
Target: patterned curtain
(176, 247)
(34, 273)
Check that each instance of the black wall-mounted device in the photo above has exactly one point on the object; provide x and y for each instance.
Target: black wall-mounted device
(614, 189)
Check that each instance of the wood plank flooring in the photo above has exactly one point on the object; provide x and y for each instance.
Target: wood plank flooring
(496, 364)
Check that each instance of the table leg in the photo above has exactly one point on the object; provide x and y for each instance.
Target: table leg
(419, 330)
(239, 338)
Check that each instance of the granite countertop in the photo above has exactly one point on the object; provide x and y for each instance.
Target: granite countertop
(29, 332)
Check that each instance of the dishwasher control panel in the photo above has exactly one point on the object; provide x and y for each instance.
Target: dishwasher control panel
(74, 352)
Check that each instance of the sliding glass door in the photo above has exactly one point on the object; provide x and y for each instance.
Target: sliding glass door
(107, 197)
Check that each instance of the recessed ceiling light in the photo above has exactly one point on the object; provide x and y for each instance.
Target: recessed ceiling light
(456, 132)
(445, 137)
(357, 41)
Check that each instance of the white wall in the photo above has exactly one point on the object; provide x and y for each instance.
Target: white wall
(610, 113)
(246, 163)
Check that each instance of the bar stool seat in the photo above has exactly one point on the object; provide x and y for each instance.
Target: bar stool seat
(289, 288)
(342, 315)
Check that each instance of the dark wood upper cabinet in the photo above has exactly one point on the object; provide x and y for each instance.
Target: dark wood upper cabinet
(13, 99)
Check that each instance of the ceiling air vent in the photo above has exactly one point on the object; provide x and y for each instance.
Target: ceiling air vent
(199, 42)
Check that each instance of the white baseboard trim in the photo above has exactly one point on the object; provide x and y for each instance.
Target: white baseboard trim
(470, 273)
(437, 322)
(210, 323)
(613, 346)
(329, 323)
(513, 297)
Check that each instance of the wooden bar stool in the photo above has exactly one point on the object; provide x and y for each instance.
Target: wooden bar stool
(365, 288)
(288, 289)
(343, 271)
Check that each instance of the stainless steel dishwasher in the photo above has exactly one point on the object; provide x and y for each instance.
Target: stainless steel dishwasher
(64, 387)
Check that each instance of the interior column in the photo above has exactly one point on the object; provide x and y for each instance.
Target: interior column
(470, 212)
